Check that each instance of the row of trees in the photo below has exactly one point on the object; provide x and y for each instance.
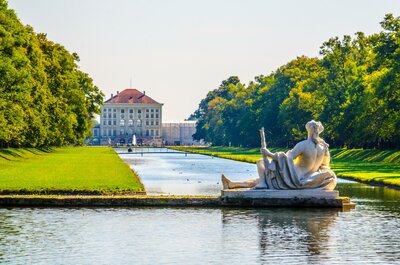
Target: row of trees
(353, 89)
(45, 100)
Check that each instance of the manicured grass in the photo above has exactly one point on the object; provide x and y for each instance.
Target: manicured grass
(96, 170)
(370, 166)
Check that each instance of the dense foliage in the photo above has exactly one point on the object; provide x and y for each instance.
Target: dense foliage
(353, 89)
(45, 100)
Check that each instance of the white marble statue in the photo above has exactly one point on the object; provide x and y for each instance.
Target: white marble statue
(306, 166)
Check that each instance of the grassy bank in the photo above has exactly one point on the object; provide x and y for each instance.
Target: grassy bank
(66, 170)
(369, 166)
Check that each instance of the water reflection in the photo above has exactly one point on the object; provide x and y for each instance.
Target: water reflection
(10, 232)
(283, 234)
(198, 236)
(364, 191)
(367, 196)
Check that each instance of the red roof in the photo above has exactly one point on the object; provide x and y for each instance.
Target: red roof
(131, 95)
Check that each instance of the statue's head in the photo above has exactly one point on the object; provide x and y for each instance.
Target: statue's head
(314, 127)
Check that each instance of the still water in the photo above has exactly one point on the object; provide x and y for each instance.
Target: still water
(367, 235)
(181, 173)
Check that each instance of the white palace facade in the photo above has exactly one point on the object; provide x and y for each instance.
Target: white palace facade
(128, 113)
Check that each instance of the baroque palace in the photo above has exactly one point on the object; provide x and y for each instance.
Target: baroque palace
(127, 114)
(132, 114)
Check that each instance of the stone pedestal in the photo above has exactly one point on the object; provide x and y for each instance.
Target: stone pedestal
(280, 194)
(284, 198)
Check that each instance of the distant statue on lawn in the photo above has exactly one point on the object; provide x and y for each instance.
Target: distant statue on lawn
(306, 166)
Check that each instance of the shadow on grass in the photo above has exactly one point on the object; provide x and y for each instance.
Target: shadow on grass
(6, 153)
(364, 167)
(370, 155)
(22, 153)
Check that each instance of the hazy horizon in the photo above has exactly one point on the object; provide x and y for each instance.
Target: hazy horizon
(179, 50)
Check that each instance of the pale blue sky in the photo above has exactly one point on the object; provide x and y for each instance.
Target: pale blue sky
(178, 50)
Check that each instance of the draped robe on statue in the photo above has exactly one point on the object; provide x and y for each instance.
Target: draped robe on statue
(281, 174)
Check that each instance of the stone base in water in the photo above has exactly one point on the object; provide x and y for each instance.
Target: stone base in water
(284, 198)
(281, 194)
(168, 201)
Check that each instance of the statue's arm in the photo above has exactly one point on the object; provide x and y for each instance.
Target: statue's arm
(295, 152)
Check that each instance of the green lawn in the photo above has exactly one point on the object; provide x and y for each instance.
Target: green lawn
(97, 170)
(371, 166)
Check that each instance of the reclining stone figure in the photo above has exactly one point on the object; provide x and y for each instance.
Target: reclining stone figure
(306, 166)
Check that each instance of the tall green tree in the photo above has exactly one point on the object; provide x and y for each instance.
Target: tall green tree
(384, 83)
(44, 98)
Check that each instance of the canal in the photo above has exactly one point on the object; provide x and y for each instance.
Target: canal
(368, 234)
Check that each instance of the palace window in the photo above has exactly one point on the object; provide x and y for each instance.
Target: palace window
(157, 115)
(130, 123)
(156, 132)
(139, 123)
(122, 123)
(156, 122)
(139, 111)
(152, 123)
(122, 111)
(147, 115)
(152, 133)
(109, 115)
(147, 123)
(114, 115)
(130, 110)
(104, 123)
(114, 122)
(104, 115)
(122, 132)
(109, 122)
(152, 115)
(152, 110)
(147, 110)
(147, 132)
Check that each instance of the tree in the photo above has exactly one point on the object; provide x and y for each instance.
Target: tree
(44, 98)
